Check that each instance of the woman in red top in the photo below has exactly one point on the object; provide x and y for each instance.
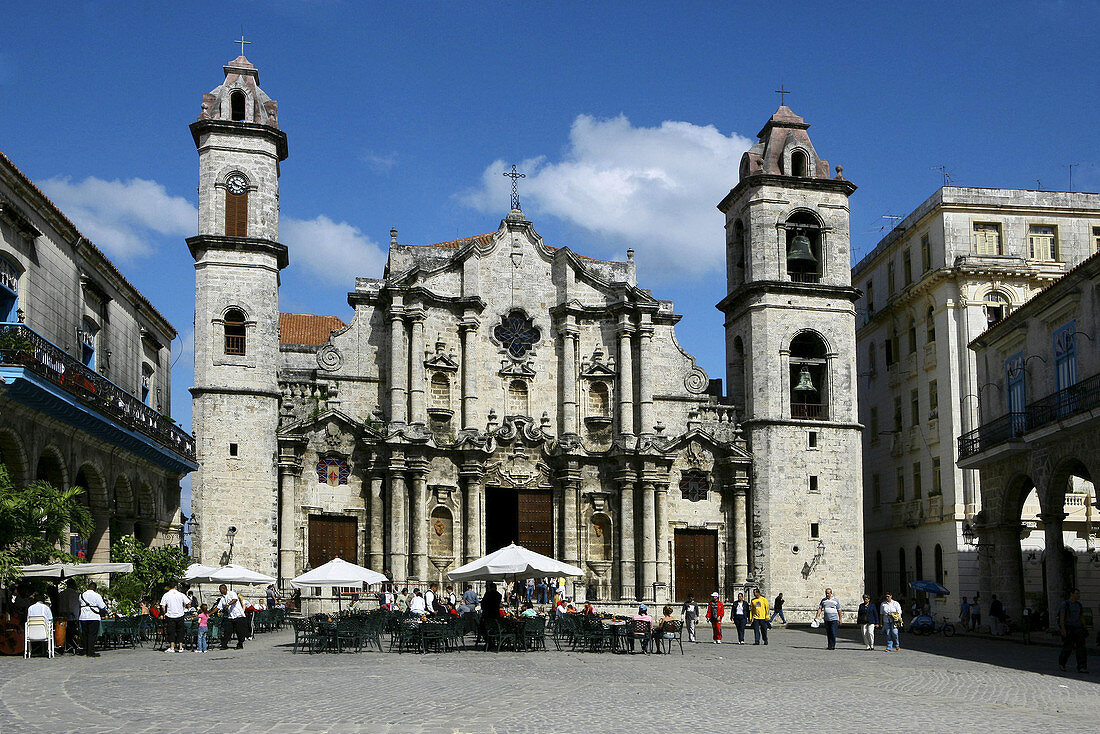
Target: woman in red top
(715, 610)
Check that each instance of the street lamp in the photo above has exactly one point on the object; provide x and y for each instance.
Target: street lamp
(229, 535)
(970, 537)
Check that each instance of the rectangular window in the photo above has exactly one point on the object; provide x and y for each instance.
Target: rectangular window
(815, 529)
(914, 408)
(897, 413)
(1096, 239)
(236, 214)
(870, 297)
(907, 267)
(812, 440)
(925, 255)
(813, 484)
(874, 424)
(912, 336)
(916, 480)
(889, 346)
(933, 400)
(1014, 379)
(876, 490)
(1065, 356)
(1041, 242)
(900, 479)
(9, 291)
(871, 367)
(890, 284)
(937, 482)
(232, 449)
(987, 238)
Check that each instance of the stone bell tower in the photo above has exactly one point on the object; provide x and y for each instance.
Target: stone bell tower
(791, 363)
(237, 262)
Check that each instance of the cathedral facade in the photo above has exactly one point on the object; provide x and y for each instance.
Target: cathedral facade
(488, 390)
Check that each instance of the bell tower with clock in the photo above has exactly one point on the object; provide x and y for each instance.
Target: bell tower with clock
(790, 363)
(237, 262)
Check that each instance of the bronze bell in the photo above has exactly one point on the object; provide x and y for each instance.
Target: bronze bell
(799, 250)
(805, 384)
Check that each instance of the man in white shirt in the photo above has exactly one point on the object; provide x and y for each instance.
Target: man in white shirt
(40, 609)
(831, 608)
(230, 606)
(91, 607)
(174, 603)
(429, 599)
(891, 623)
(417, 605)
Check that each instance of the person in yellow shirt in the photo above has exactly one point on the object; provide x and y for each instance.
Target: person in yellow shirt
(759, 617)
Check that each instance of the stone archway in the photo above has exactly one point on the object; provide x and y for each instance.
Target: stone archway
(51, 468)
(13, 455)
(98, 544)
(1064, 508)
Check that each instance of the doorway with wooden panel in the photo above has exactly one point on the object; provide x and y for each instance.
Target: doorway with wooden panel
(696, 557)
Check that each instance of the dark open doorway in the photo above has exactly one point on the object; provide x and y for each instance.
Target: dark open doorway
(501, 517)
(523, 516)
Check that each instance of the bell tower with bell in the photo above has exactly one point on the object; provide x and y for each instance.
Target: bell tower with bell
(791, 364)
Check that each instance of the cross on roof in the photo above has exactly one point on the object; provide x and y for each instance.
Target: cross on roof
(515, 176)
(242, 42)
(782, 92)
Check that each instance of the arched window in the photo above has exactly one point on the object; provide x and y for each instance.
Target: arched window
(996, 307)
(236, 106)
(146, 381)
(878, 574)
(930, 322)
(799, 163)
(737, 373)
(803, 248)
(332, 470)
(234, 331)
(694, 485)
(599, 400)
(912, 334)
(737, 245)
(517, 398)
(441, 391)
(918, 564)
(808, 377)
(9, 290)
(236, 206)
(903, 574)
(87, 337)
(937, 559)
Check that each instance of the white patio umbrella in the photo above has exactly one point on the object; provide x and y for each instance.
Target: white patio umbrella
(234, 574)
(512, 563)
(197, 573)
(338, 572)
(66, 570)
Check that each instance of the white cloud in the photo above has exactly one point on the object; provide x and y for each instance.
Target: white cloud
(124, 218)
(378, 162)
(332, 251)
(651, 188)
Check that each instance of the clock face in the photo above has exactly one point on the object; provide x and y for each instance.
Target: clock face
(236, 184)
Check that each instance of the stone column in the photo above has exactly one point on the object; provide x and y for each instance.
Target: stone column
(740, 532)
(570, 420)
(377, 523)
(417, 410)
(570, 545)
(647, 553)
(99, 544)
(1053, 562)
(399, 370)
(288, 475)
(399, 537)
(468, 329)
(627, 586)
(1006, 570)
(626, 377)
(664, 572)
(418, 530)
(645, 381)
(471, 517)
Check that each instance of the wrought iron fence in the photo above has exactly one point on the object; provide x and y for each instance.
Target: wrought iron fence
(22, 346)
(994, 433)
(810, 411)
(799, 277)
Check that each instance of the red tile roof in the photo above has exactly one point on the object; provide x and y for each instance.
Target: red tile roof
(483, 239)
(307, 328)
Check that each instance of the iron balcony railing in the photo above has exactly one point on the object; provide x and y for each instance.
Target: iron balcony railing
(809, 411)
(22, 346)
(1078, 398)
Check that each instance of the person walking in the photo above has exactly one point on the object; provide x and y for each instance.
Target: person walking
(996, 616)
(540, 587)
(715, 610)
(204, 629)
(470, 597)
(690, 612)
(230, 606)
(975, 613)
(759, 617)
(964, 612)
(173, 605)
(777, 609)
(1072, 626)
(867, 617)
(91, 607)
(891, 622)
(739, 614)
(831, 609)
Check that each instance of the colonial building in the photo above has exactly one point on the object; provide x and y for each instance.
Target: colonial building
(85, 375)
(1039, 444)
(495, 389)
(964, 259)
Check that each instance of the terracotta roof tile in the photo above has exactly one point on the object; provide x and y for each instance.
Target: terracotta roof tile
(307, 328)
(481, 239)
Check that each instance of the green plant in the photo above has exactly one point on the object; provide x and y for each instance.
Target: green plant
(153, 568)
(35, 523)
(13, 340)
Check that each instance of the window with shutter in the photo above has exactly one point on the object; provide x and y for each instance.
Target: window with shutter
(236, 214)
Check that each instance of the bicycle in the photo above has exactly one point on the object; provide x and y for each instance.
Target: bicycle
(926, 625)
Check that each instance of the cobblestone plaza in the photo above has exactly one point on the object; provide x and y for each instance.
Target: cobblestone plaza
(794, 684)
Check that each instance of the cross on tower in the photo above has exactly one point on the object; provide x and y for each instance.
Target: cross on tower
(515, 176)
(782, 92)
(242, 42)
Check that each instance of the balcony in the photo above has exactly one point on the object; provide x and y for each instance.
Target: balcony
(57, 380)
(809, 411)
(797, 277)
(1073, 400)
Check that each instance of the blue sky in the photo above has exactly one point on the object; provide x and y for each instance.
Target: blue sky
(628, 117)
